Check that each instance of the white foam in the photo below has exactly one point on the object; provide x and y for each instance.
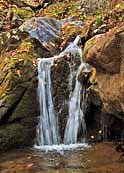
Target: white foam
(62, 147)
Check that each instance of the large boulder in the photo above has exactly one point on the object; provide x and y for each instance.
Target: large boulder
(106, 53)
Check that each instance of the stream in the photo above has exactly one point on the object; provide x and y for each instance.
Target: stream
(32, 161)
(100, 158)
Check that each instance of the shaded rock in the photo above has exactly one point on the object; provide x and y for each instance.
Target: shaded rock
(18, 3)
(28, 106)
(105, 53)
(20, 129)
(63, 80)
(12, 135)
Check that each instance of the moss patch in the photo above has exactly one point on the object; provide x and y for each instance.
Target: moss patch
(24, 13)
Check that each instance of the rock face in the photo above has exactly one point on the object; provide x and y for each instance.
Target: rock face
(60, 77)
(18, 85)
(19, 107)
(106, 53)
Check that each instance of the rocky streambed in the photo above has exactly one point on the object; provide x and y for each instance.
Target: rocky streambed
(101, 157)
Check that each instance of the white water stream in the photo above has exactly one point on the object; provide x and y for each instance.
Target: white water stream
(47, 130)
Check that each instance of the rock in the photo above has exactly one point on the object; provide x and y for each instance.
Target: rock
(93, 6)
(22, 3)
(32, 3)
(14, 135)
(60, 9)
(45, 29)
(24, 12)
(19, 3)
(109, 60)
(18, 90)
(105, 53)
(48, 31)
(10, 40)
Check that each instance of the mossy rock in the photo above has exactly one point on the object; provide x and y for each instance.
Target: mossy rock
(72, 29)
(24, 13)
(22, 3)
(10, 40)
(32, 3)
(12, 135)
(62, 10)
(28, 105)
(17, 71)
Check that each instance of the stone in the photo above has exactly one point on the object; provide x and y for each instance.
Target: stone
(105, 53)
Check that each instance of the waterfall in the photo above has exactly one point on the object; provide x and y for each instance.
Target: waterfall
(76, 114)
(47, 129)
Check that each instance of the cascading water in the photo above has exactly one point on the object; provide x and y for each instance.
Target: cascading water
(76, 114)
(47, 130)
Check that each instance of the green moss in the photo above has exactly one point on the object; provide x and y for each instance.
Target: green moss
(98, 21)
(16, 69)
(24, 13)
